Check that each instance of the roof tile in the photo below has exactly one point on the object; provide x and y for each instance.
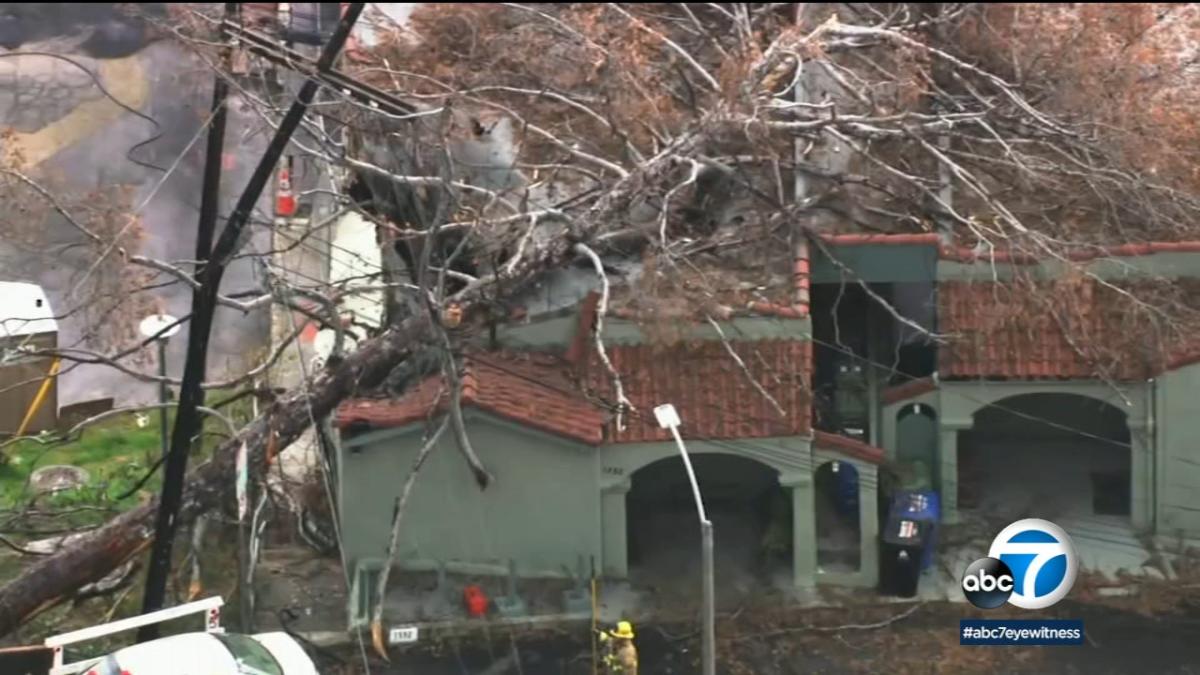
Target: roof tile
(713, 396)
(529, 389)
(996, 332)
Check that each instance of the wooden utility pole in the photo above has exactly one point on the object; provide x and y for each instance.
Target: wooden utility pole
(175, 463)
(204, 305)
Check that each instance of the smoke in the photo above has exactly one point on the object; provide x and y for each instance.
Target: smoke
(177, 96)
(101, 30)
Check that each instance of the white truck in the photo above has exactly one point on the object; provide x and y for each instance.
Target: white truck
(211, 652)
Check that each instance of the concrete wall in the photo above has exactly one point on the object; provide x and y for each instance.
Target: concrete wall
(1177, 476)
(1049, 478)
(543, 510)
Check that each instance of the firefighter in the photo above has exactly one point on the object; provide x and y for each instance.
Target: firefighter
(620, 656)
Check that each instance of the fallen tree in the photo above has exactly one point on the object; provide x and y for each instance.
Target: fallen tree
(674, 127)
(52, 579)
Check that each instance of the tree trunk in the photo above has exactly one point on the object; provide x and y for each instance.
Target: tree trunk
(52, 578)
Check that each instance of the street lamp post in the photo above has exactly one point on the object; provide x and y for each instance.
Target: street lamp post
(161, 327)
(669, 419)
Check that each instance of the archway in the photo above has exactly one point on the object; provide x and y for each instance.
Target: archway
(916, 445)
(839, 548)
(751, 516)
(1047, 456)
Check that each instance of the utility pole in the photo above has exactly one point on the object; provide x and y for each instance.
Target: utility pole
(204, 301)
(669, 419)
(191, 395)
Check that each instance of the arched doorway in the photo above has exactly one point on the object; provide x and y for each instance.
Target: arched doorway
(751, 516)
(1047, 456)
(839, 548)
(916, 445)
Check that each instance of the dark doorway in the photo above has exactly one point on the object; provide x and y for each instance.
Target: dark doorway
(751, 516)
(1048, 455)
(838, 546)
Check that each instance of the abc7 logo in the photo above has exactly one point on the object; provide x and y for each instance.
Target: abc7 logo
(1045, 567)
(988, 583)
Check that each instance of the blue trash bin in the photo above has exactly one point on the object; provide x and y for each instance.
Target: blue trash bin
(847, 490)
(921, 506)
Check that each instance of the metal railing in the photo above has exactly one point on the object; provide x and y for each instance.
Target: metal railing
(212, 624)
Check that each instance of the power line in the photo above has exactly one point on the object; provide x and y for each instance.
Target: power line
(107, 94)
(981, 402)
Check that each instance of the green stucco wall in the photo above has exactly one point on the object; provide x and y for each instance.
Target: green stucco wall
(553, 500)
(1177, 414)
(558, 332)
(1169, 265)
(876, 263)
(543, 509)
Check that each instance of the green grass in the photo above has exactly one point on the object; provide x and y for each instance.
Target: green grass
(115, 453)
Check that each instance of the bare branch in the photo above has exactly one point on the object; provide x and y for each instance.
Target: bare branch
(623, 404)
(427, 448)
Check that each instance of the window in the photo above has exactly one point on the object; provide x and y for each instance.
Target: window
(252, 658)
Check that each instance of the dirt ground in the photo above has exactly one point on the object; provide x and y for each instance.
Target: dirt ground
(899, 639)
(1155, 631)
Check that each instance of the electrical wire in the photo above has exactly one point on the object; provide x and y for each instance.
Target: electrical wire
(717, 407)
(107, 94)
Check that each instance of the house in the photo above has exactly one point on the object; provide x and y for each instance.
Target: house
(1003, 415)
(572, 483)
(1074, 414)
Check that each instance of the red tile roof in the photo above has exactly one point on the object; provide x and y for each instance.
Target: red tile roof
(529, 389)
(713, 396)
(996, 332)
(848, 446)
(710, 391)
(907, 390)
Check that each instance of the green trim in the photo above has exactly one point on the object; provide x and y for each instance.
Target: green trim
(1174, 265)
(876, 263)
(469, 413)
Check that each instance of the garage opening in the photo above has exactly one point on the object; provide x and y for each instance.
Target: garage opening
(752, 525)
(838, 545)
(1046, 456)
